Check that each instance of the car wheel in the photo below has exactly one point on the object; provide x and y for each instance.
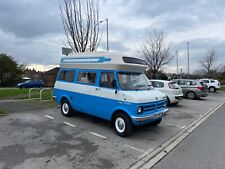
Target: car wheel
(157, 122)
(66, 108)
(191, 95)
(167, 101)
(122, 125)
(212, 89)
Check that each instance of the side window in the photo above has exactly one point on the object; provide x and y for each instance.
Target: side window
(87, 77)
(193, 83)
(182, 82)
(212, 81)
(66, 75)
(206, 81)
(107, 79)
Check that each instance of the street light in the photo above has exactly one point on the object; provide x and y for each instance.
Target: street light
(107, 31)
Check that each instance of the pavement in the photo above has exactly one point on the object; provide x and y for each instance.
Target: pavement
(40, 137)
(204, 148)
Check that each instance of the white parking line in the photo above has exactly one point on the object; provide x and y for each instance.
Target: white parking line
(134, 148)
(174, 125)
(49, 116)
(69, 124)
(98, 135)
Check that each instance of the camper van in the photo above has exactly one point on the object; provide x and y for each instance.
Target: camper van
(110, 86)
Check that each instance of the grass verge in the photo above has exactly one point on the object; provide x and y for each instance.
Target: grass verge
(222, 88)
(15, 93)
(3, 112)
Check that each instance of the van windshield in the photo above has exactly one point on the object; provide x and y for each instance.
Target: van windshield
(133, 81)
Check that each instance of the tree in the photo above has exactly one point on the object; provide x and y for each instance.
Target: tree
(81, 24)
(10, 71)
(208, 61)
(155, 53)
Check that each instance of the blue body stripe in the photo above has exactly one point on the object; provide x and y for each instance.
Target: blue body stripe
(102, 107)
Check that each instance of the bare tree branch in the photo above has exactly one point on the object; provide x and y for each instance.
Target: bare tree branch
(80, 20)
(209, 60)
(155, 53)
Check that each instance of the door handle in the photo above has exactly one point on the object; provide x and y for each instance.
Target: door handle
(97, 88)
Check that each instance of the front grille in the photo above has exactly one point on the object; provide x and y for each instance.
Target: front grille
(154, 106)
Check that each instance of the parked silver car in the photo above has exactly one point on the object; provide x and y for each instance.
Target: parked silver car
(192, 89)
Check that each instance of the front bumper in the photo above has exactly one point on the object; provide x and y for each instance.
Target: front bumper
(150, 116)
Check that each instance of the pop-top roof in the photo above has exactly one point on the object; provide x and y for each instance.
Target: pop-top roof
(103, 61)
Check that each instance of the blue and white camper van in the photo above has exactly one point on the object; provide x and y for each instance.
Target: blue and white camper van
(110, 86)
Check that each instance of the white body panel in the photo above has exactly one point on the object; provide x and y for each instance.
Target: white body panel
(139, 96)
(170, 93)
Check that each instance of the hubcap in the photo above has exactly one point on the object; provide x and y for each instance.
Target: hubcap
(120, 124)
(191, 95)
(65, 108)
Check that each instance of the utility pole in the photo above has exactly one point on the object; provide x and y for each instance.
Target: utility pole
(107, 30)
(177, 63)
(188, 58)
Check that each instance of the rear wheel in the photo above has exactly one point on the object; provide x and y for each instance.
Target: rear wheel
(122, 125)
(66, 108)
(191, 95)
(212, 89)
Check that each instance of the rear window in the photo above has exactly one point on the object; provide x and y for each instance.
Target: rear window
(134, 60)
(66, 75)
(174, 85)
(157, 84)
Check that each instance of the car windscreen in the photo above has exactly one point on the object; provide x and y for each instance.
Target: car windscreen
(133, 81)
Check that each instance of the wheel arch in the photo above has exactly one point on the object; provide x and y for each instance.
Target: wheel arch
(119, 110)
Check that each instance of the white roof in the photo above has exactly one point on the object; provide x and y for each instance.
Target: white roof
(103, 61)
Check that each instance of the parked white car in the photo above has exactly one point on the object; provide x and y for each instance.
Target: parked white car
(172, 90)
(212, 84)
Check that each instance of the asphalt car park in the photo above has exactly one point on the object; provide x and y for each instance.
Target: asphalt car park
(33, 137)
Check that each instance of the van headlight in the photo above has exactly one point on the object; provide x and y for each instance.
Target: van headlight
(140, 109)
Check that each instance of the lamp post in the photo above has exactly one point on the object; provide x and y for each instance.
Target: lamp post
(107, 32)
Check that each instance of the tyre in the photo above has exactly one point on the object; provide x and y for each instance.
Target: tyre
(66, 108)
(167, 101)
(212, 89)
(191, 95)
(122, 125)
(157, 122)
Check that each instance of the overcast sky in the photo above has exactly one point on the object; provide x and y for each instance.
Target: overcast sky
(31, 30)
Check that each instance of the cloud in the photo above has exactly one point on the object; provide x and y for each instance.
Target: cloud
(28, 18)
(32, 32)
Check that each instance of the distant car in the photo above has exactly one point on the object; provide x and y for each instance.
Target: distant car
(31, 84)
(172, 90)
(212, 84)
(192, 89)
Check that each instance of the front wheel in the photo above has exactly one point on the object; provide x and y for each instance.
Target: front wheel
(66, 108)
(122, 125)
